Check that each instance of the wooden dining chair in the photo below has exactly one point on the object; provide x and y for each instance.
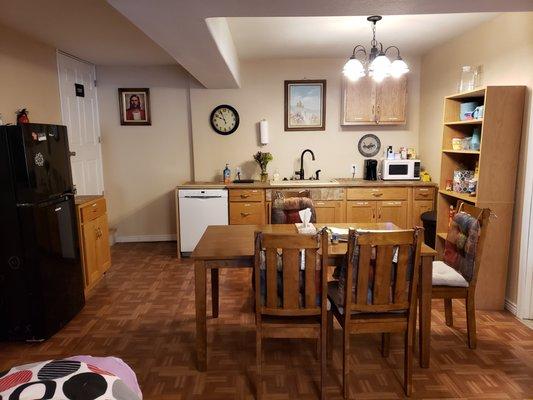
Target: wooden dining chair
(377, 294)
(290, 294)
(455, 276)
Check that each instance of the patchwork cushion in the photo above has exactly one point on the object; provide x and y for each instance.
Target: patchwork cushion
(444, 275)
(461, 244)
(285, 211)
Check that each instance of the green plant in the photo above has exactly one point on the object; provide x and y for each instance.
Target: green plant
(263, 159)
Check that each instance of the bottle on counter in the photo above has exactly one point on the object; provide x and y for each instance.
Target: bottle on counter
(390, 153)
(226, 174)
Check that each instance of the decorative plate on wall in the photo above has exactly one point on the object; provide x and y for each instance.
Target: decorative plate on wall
(224, 119)
(369, 145)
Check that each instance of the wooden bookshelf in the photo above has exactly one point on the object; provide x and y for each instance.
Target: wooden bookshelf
(466, 122)
(497, 161)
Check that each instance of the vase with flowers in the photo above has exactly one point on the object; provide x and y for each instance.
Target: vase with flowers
(263, 159)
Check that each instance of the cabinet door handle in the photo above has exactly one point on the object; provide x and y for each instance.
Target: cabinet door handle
(379, 214)
(245, 196)
(245, 214)
(423, 194)
(377, 194)
(373, 214)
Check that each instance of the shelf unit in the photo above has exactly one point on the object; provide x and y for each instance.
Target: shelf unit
(497, 161)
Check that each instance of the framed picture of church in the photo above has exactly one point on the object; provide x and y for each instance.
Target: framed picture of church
(305, 105)
(134, 106)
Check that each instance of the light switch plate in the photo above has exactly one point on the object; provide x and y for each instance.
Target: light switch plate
(353, 169)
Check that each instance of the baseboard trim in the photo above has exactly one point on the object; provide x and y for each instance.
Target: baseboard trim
(146, 238)
(510, 306)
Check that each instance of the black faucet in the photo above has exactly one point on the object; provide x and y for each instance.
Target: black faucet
(301, 172)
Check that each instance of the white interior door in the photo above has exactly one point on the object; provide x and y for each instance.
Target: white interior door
(80, 115)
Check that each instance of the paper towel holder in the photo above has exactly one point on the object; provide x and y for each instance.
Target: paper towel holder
(263, 132)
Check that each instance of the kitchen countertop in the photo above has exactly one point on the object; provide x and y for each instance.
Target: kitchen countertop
(82, 199)
(343, 183)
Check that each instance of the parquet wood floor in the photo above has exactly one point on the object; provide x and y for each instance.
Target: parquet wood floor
(143, 312)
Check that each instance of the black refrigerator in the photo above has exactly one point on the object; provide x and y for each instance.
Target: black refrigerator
(41, 278)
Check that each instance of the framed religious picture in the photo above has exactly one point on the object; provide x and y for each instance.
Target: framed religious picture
(305, 105)
(134, 106)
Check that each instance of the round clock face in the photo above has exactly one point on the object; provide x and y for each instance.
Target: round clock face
(369, 145)
(224, 119)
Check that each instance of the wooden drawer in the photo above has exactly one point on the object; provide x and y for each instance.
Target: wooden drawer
(423, 193)
(246, 195)
(243, 213)
(378, 193)
(93, 210)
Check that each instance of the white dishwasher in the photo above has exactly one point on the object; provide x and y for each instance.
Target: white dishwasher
(199, 208)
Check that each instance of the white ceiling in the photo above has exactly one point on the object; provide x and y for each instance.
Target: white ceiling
(205, 48)
(89, 29)
(300, 37)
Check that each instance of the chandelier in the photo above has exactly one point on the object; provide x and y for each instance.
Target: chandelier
(378, 65)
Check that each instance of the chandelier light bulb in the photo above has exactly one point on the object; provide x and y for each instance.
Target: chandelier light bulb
(353, 69)
(381, 65)
(398, 68)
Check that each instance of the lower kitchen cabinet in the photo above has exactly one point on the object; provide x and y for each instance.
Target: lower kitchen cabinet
(360, 211)
(400, 205)
(246, 213)
(329, 211)
(392, 211)
(420, 207)
(94, 238)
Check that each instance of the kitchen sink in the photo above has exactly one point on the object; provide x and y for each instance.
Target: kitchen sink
(306, 182)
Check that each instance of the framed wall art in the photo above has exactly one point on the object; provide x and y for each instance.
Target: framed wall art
(134, 106)
(305, 105)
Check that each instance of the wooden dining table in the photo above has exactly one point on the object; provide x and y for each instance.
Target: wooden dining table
(232, 246)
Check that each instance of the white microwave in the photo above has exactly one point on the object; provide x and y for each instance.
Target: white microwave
(400, 170)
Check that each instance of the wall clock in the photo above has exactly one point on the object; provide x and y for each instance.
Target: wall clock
(369, 145)
(224, 119)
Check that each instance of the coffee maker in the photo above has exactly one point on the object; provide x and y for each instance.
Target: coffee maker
(371, 170)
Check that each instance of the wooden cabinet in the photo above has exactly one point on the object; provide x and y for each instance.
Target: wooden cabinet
(247, 207)
(377, 193)
(94, 238)
(366, 102)
(329, 211)
(358, 107)
(242, 213)
(420, 207)
(360, 211)
(390, 101)
(392, 211)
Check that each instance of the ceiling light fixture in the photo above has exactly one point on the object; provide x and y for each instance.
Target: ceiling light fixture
(378, 64)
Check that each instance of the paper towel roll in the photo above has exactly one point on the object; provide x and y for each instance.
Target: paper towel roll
(263, 128)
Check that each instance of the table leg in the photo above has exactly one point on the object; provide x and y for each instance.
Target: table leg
(214, 291)
(425, 310)
(201, 324)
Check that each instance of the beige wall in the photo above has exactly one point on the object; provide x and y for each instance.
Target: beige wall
(262, 96)
(143, 164)
(504, 46)
(28, 78)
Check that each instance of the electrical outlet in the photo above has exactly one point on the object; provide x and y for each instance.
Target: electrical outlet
(353, 169)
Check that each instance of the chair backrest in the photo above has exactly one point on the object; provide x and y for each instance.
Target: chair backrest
(285, 210)
(281, 286)
(483, 216)
(388, 281)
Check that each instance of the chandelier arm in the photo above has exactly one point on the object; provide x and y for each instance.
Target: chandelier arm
(357, 49)
(393, 47)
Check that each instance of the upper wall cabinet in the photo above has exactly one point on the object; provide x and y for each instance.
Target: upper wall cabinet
(366, 102)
